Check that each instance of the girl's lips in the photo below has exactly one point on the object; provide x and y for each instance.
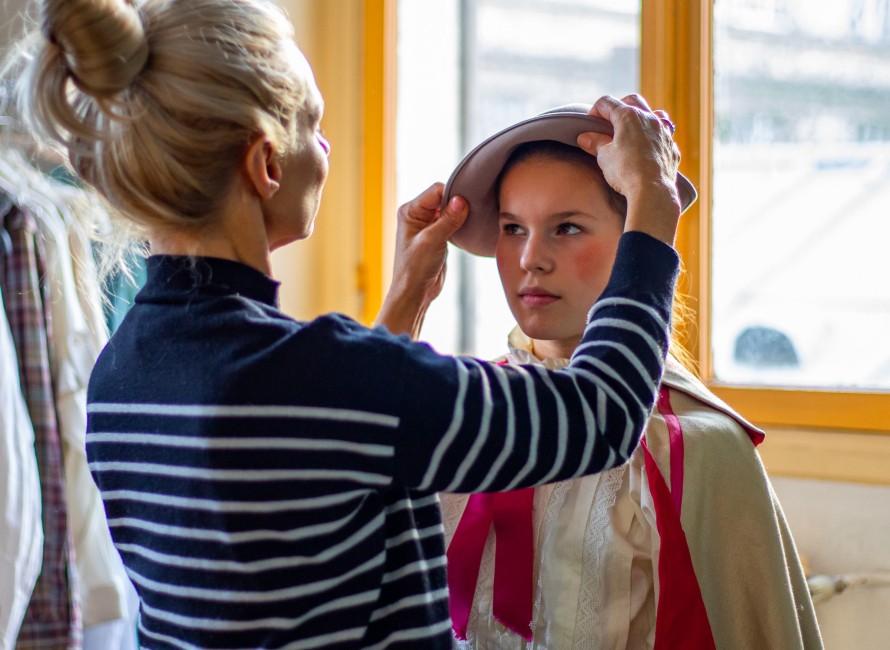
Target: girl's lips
(535, 299)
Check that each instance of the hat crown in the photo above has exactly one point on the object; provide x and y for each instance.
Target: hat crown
(476, 175)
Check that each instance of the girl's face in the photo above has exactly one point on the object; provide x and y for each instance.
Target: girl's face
(558, 239)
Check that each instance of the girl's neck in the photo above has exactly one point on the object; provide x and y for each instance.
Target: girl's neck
(552, 349)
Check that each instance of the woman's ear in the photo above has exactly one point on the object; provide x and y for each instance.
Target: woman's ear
(262, 168)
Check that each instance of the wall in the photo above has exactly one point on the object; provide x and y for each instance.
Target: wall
(843, 528)
(320, 275)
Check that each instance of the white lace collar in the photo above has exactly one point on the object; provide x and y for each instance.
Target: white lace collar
(520, 352)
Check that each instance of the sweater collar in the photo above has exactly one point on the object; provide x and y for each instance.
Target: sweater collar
(172, 277)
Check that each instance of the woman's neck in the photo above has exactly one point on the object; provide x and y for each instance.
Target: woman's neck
(236, 233)
(203, 246)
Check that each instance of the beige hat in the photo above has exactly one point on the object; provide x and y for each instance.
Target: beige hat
(475, 177)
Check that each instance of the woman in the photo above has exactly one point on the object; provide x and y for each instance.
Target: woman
(686, 545)
(271, 483)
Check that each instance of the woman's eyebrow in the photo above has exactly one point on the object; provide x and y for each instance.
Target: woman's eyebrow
(314, 110)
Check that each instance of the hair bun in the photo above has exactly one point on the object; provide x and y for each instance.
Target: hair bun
(103, 42)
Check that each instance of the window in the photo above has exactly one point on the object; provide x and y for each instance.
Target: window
(801, 193)
(486, 65)
(782, 131)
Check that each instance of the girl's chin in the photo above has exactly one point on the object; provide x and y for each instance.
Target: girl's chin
(548, 329)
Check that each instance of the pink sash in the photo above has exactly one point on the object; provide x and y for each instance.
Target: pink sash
(681, 620)
(511, 514)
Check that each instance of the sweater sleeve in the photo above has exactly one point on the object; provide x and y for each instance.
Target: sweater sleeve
(470, 426)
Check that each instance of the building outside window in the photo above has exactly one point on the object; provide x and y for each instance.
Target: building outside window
(801, 158)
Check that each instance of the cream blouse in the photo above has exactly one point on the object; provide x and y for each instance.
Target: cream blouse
(595, 554)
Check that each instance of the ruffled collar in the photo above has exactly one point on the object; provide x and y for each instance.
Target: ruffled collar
(520, 348)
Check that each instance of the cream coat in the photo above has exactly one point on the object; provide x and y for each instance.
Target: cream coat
(597, 542)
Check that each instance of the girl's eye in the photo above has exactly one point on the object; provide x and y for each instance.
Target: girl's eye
(511, 229)
(567, 229)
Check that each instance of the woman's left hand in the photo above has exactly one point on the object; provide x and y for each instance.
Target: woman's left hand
(419, 268)
(639, 161)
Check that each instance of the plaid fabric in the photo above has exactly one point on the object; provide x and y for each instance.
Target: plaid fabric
(53, 617)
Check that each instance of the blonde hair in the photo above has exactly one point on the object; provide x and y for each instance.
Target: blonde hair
(155, 103)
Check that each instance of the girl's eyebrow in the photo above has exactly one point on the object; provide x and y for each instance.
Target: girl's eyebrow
(556, 216)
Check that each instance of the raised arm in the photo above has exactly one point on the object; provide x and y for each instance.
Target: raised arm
(469, 426)
(422, 237)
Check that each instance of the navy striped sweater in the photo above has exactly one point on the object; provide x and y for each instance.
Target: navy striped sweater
(270, 483)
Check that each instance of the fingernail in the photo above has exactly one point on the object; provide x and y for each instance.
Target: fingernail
(585, 141)
(457, 203)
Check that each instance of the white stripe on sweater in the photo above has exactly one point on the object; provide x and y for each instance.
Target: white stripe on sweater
(253, 597)
(510, 439)
(252, 475)
(413, 634)
(453, 428)
(236, 566)
(481, 437)
(250, 442)
(627, 302)
(214, 535)
(247, 411)
(217, 505)
(535, 432)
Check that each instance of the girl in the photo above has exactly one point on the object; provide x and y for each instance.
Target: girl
(686, 545)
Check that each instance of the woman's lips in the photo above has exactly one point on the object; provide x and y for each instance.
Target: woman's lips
(537, 298)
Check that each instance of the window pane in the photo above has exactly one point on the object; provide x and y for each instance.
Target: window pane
(801, 281)
(517, 58)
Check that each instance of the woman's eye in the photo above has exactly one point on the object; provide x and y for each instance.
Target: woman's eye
(568, 229)
(511, 229)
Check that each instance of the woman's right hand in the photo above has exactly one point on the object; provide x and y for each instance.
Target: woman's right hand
(639, 161)
(422, 238)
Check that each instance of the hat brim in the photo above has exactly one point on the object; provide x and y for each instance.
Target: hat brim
(474, 178)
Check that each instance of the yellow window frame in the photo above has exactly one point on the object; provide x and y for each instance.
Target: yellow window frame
(826, 434)
(676, 73)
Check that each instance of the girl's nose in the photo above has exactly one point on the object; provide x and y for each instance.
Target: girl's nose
(536, 256)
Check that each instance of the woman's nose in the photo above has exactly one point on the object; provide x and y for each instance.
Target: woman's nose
(536, 255)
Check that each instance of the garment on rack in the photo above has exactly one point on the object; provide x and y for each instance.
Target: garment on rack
(52, 619)
(74, 349)
(64, 216)
(21, 544)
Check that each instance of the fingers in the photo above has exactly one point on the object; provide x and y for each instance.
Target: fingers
(665, 121)
(451, 218)
(609, 108)
(637, 101)
(423, 207)
(605, 107)
(429, 199)
(592, 142)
